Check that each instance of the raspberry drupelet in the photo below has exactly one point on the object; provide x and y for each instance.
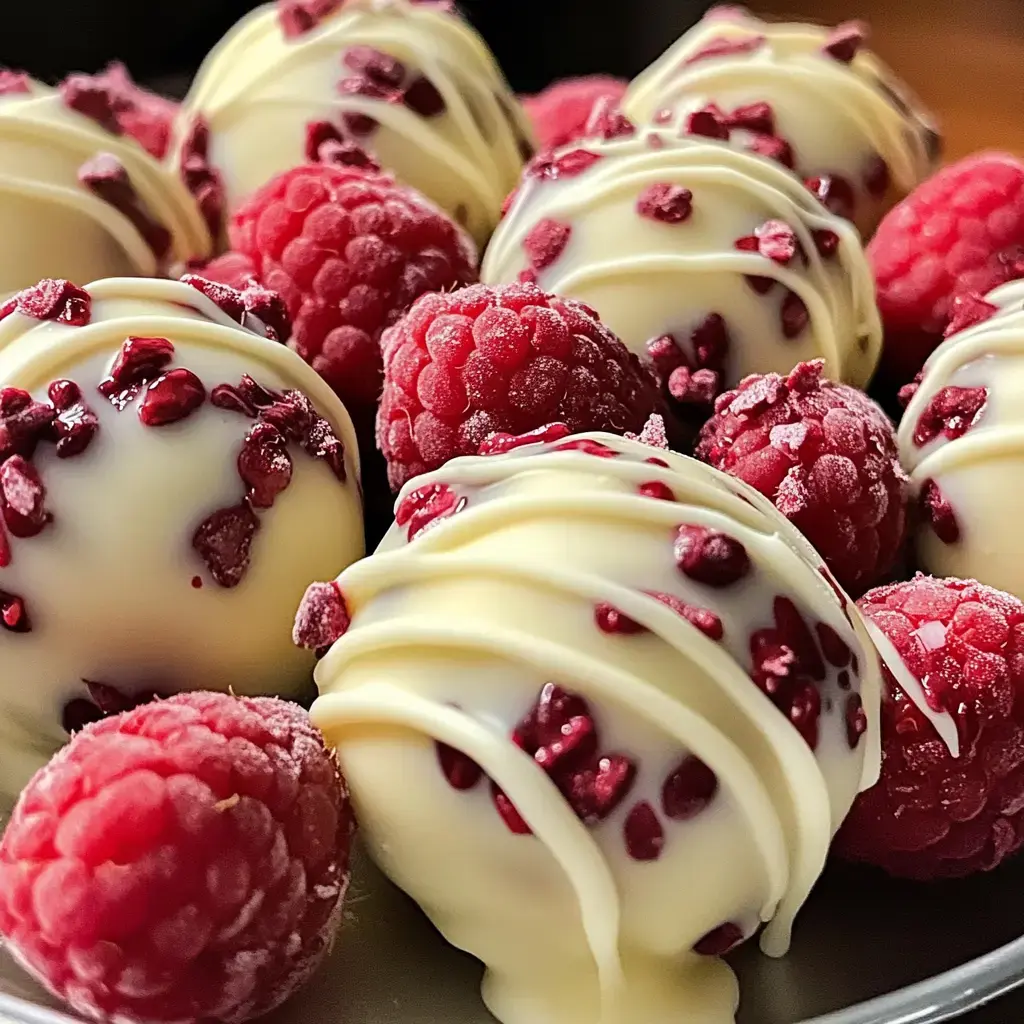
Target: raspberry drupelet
(951, 794)
(349, 250)
(962, 231)
(461, 366)
(826, 455)
(184, 861)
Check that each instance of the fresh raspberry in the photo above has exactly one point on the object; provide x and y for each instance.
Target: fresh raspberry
(349, 250)
(934, 815)
(826, 455)
(114, 100)
(559, 113)
(183, 861)
(507, 359)
(961, 231)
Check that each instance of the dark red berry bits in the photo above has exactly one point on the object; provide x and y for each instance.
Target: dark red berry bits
(666, 203)
(255, 308)
(224, 542)
(726, 46)
(950, 414)
(545, 242)
(22, 498)
(876, 177)
(552, 167)
(13, 614)
(834, 192)
(719, 941)
(937, 511)
(856, 720)
(74, 424)
(643, 833)
(462, 772)
(326, 144)
(50, 299)
(323, 617)
(171, 397)
(688, 789)
(202, 180)
(13, 83)
(844, 41)
(710, 556)
(774, 239)
(501, 442)
(968, 310)
(107, 178)
(426, 506)
(138, 362)
(297, 17)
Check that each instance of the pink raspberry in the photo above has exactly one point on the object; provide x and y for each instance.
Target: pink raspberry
(961, 231)
(933, 815)
(559, 114)
(826, 455)
(507, 359)
(349, 250)
(183, 861)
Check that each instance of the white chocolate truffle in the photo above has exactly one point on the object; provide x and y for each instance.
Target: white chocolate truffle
(547, 710)
(156, 529)
(690, 241)
(78, 201)
(962, 442)
(410, 81)
(808, 96)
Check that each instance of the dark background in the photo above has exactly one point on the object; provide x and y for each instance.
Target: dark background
(535, 40)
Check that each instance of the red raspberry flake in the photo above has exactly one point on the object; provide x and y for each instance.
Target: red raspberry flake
(14, 82)
(967, 310)
(323, 617)
(24, 423)
(463, 365)
(326, 144)
(951, 413)
(938, 512)
(462, 772)
(644, 835)
(13, 614)
(170, 398)
(424, 507)
(499, 443)
(877, 177)
(933, 815)
(545, 242)
(856, 720)
(657, 489)
(696, 388)
(753, 117)
(708, 122)
(264, 465)
(552, 167)
(186, 860)
(826, 242)
(22, 498)
(719, 941)
(200, 177)
(297, 17)
(254, 307)
(560, 113)
(688, 789)
(224, 542)
(667, 203)
(834, 192)
(845, 40)
(509, 815)
(775, 240)
(607, 121)
(51, 299)
(349, 250)
(961, 231)
(710, 556)
(138, 361)
(75, 425)
(793, 316)
(826, 456)
(726, 46)
(424, 98)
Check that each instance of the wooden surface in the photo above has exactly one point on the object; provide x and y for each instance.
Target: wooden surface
(964, 58)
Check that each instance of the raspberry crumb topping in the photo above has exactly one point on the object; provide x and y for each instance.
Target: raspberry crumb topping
(171, 397)
(710, 556)
(13, 613)
(726, 46)
(951, 413)
(499, 442)
(688, 789)
(774, 239)
(182, 861)
(224, 542)
(14, 82)
(106, 177)
(325, 144)
(297, 17)
(462, 772)
(610, 620)
(643, 833)
(719, 941)
(322, 618)
(667, 203)
(708, 122)
(545, 242)
(932, 814)
(254, 307)
(937, 511)
(844, 41)
(202, 180)
(138, 361)
(426, 506)
(834, 192)
(50, 299)
(966, 310)
(549, 167)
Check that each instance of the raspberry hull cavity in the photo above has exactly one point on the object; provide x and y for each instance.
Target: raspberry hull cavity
(169, 484)
(960, 441)
(617, 692)
(79, 197)
(709, 262)
(410, 83)
(816, 100)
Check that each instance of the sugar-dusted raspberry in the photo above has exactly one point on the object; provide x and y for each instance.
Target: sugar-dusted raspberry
(560, 113)
(945, 807)
(961, 231)
(826, 455)
(183, 861)
(508, 359)
(120, 106)
(349, 250)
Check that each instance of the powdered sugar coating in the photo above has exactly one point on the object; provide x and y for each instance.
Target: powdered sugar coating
(962, 442)
(553, 568)
(110, 583)
(655, 278)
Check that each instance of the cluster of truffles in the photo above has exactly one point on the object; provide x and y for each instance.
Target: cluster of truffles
(603, 707)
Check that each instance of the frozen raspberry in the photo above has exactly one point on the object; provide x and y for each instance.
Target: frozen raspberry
(559, 114)
(349, 250)
(509, 359)
(120, 106)
(961, 231)
(183, 861)
(826, 455)
(933, 814)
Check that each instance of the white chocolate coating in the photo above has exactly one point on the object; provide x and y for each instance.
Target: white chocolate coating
(836, 116)
(979, 472)
(451, 638)
(647, 278)
(259, 90)
(111, 584)
(53, 225)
